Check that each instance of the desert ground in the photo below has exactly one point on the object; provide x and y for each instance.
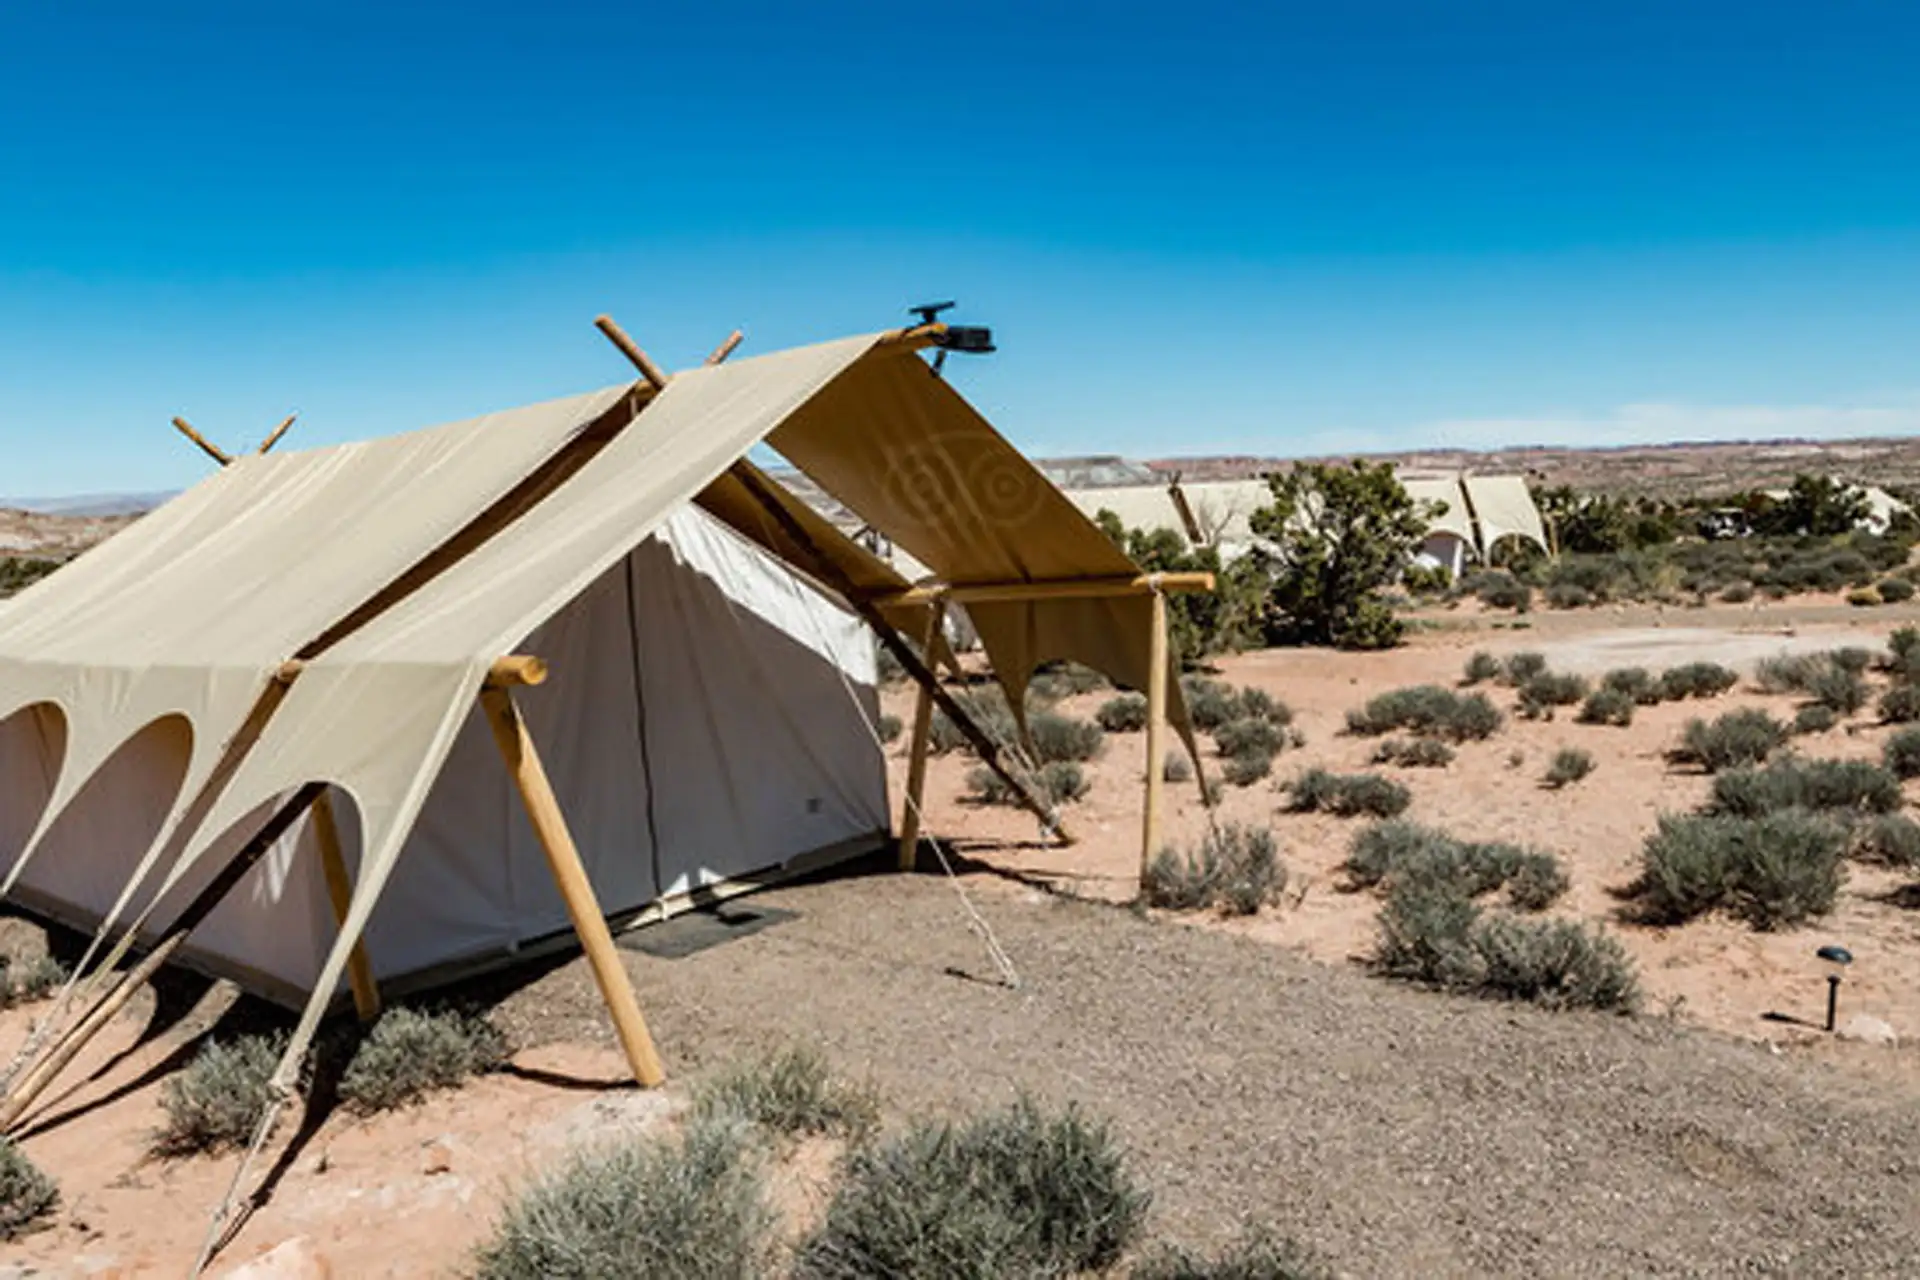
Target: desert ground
(1256, 1069)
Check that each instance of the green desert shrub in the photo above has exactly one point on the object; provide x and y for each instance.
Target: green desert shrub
(1234, 870)
(1536, 881)
(1426, 935)
(1346, 794)
(1247, 767)
(1774, 870)
(1414, 753)
(218, 1100)
(1061, 781)
(1902, 753)
(1696, 680)
(1255, 1255)
(1427, 711)
(1903, 653)
(891, 727)
(1565, 595)
(1250, 733)
(1746, 736)
(1894, 590)
(1636, 683)
(24, 981)
(789, 1091)
(1607, 706)
(1888, 839)
(1481, 667)
(410, 1053)
(689, 1209)
(1856, 786)
(1852, 658)
(1787, 672)
(1569, 765)
(1900, 704)
(1737, 592)
(1522, 667)
(1022, 1193)
(1814, 718)
(986, 708)
(1176, 767)
(1057, 680)
(1395, 851)
(1261, 705)
(1499, 589)
(26, 1194)
(1541, 692)
(1210, 703)
(1835, 687)
(1126, 713)
(1058, 737)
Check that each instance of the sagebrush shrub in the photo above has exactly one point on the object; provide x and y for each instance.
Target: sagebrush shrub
(26, 1194)
(890, 727)
(1607, 706)
(789, 1091)
(1344, 795)
(218, 1100)
(1235, 869)
(24, 981)
(1247, 767)
(1426, 711)
(410, 1053)
(1176, 767)
(1746, 736)
(1777, 869)
(1210, 703)
(1902, 753)
(1894, 590)
(1522, 667)
(1249, 734)
(1568, 766)
(1696, 680)
(1058, 737)
(1787, 672)
(1814, 718)
(1536, 881)
(1481, 667)
(986, 708)
(1555, 963)
(1636, 683)
(1888, 839)
(1426, 935)
(678, 1210)
(1061, 781)
(1414, 753)
(1839, 689)
(1126, 713)
(1857, 786)
(1059, 680)
(1399, 851)
(1900, 704)
(1551, 689)
(1016, 1193)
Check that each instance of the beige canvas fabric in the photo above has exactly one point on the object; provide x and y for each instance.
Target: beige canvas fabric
(1457, 518)
(1505, 509)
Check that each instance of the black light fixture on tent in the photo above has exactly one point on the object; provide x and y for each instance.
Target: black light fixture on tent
(973, 340)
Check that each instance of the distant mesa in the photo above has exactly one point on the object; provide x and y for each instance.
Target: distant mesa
(90, 504)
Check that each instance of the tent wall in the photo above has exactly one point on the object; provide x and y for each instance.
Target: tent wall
(697, 726)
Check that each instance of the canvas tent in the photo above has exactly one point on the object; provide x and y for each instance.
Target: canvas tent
(328, 619)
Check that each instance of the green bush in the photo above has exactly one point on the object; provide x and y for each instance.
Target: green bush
(1778, 869)
(1635, 682)
(1396, 851)
(1855, 786)
(26, 1194)
(1787, 672)
(1838, 689)
(24, 981)
(1900, 704)
(1249, 734)
(1863, 597)
(1902, 753)
(1549, 689)
(218, 1100)
(1426, 935)
(1234, 870)
(1176, 767)
(1814, 718)
(1345, 795)
(1696, 680)
(1894, 590)
(1261, 705)
(1567, 596)
(890, 727)
(1889, 839)
(1536, 882)
(1019, 1193)
(1248, 767)
(1427, 711)
(1498, 589)
(1256, 1255)
(1737, 592)
(1058, 737)
(686, 1210)
(1057, 680)
(1746, 736)
(1481, 667)
(1852, 658)
(1555, 963)
(1607, 706)
(1414, 753)
(1061, 781)
(410, 1053)
(1569, 765)
(1522, 667)
(1903, 653)
(790, 1091)
(986, 707)
(1126, 713)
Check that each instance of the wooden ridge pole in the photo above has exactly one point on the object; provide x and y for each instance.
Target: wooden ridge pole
(917, 757)
(563, 858)
(116, 997)
(207, 446)
(1138, 584)
(1156, 735)
(333, 863)
(508, 672)
(988, 750)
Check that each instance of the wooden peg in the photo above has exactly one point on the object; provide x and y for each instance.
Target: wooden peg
(631, 350)
(212, 450)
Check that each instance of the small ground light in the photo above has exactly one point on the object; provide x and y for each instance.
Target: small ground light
(1837, 958)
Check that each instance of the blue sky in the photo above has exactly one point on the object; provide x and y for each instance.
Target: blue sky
(1253, 228)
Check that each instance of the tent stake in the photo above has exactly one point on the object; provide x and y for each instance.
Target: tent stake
(830, 573)
(116, 997)
(1156, 735)
(917, 760)
(333, 862)
(563, 858)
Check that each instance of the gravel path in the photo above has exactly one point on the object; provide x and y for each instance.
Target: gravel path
(1398, 1131)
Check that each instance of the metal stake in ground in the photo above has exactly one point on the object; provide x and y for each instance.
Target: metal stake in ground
(1837, 958)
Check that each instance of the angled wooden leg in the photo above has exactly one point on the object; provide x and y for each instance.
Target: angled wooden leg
(326, 833)
(917, 757)
(563, 858)
(1156, 735)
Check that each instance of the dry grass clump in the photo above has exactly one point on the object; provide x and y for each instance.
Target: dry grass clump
(678, 1210)
(1347, 794)
(1022, 1193)
(218, 1100)
(1235, 870)
(1256, 1255)
(1426, 711)
(791, 1092)
(1124, 713)
(1774, 870)
(1746, 736)
(1414, 753)
(410, 1053)
(1568, 766)
(26, 1194)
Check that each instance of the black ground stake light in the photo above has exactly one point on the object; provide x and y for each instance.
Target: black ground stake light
(1837, 958)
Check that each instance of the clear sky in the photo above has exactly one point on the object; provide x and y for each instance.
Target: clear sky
(1194, 228)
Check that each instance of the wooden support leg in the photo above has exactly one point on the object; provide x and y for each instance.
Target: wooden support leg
(917, 759)
(1156, 734)
(550, 825)
(326, 833)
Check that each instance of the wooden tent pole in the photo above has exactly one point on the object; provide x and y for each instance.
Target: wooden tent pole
(273, 436)
(917, 757)
(1156, 734)
(725, 349)
(1140, 584)
(830, 573)
(631, 350)
(211, 449)
(333, 862)
(116, 997)
(563, 858)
